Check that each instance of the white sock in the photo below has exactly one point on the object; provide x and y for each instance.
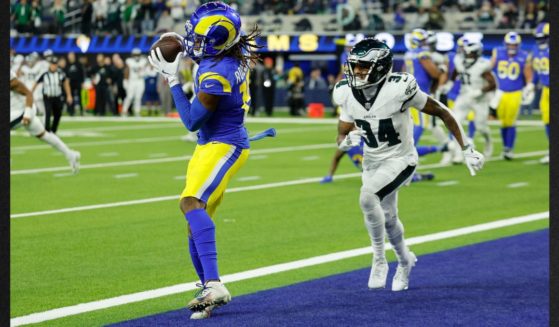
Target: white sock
(374, 223)
(395, 231)
(56, 143)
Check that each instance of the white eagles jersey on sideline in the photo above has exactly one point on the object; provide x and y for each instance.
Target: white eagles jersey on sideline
(458, 62)
(17, 101)
(388, 118)
(136, 68)
(471, 77)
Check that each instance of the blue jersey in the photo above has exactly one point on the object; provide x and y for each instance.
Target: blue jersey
(229, 79)
(510, 70)
(453, 93)
(540, 62)
(413, 66)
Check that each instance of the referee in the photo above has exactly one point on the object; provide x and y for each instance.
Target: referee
(54, 80)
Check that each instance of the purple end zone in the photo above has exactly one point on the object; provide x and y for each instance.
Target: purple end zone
(498, 283)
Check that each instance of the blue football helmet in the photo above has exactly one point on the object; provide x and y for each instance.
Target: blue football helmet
(213, 28)
(419, 38)
(512, 42)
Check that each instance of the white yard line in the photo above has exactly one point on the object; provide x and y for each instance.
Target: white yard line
(78, 145)
(231, 190)
(129, 175)
(285, 120)
(264, 271)
(248, 178)
(169, 159)
(517, 185)
(447, 183)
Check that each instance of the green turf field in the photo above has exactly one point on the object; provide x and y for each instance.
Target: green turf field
(61, 259)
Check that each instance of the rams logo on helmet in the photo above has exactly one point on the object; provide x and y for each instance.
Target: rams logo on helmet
(213, 28)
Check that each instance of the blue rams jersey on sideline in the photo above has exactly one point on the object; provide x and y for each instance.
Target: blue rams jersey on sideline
(228, 79)
(453, 93)
(540, 62)
(510, 70)
(414, 67)
(356, 154)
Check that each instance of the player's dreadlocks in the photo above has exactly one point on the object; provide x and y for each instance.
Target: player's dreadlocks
(245, 49)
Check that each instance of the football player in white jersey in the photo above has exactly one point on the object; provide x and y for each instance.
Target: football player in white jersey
(476, 80)
(134, 83)
(375, 106)
(22, 112)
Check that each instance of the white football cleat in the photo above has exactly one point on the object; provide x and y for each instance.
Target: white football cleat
(190, 137)
(402, 277)
(545, 160)
(213, 293)
(74, 160)
(379, 272)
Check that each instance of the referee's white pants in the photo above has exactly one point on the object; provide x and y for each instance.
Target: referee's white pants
(134, 92)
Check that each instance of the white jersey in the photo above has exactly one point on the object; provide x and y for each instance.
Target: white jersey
(17, 101)
(136, 68)
(458, 62)
(471, 77)
(385, 117)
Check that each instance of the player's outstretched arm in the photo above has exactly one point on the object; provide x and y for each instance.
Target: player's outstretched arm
(18, 87)
(474, 160)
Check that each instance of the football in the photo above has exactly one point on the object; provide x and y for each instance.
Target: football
(170, 46)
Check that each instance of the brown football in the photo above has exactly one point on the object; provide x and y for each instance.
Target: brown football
(170, 47)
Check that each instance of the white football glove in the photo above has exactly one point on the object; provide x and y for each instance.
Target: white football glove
(474, 160)
(528, 94)
(352, 139)
(169, 70)
(28, 114)
(446, 87)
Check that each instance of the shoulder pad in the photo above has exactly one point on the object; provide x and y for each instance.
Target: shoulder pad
(408, 88)
(216, 78)
(341, 92)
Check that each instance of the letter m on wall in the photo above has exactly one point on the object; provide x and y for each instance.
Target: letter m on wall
(278, 42)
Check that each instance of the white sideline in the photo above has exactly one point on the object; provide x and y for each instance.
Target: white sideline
(259, 272)
(231, 190)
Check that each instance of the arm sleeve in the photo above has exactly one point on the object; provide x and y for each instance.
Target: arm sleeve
(193, 115)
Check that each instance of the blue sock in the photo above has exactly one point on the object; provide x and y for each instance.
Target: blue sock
(504, 135)
(417, 132)
(426, 149)
(195, 259)
(203, 234)
(512, 136)
(471, 129)
(547, 130)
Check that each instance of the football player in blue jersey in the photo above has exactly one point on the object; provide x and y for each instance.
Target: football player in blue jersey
(215, 42)
(540, 63)
(514, 75)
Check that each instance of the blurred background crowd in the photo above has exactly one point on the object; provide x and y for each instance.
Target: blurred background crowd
(99, 80)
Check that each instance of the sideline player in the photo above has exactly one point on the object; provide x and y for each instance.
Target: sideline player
(476, 80)
(514, 76)
(375, 106)
(22, 112)
(213, 39)
(540, 62)
(134, 82)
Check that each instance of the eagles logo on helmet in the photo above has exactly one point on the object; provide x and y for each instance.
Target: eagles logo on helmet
(371, 55)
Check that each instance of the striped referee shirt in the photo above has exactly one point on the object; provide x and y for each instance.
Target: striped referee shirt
(53, 82)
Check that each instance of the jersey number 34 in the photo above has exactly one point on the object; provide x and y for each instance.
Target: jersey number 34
(386, 132)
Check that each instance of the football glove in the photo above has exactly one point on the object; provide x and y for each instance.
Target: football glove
(474, 160)
(446, 87)
(528, 94)
(169, 70)
(28, 114)
(352, 139)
